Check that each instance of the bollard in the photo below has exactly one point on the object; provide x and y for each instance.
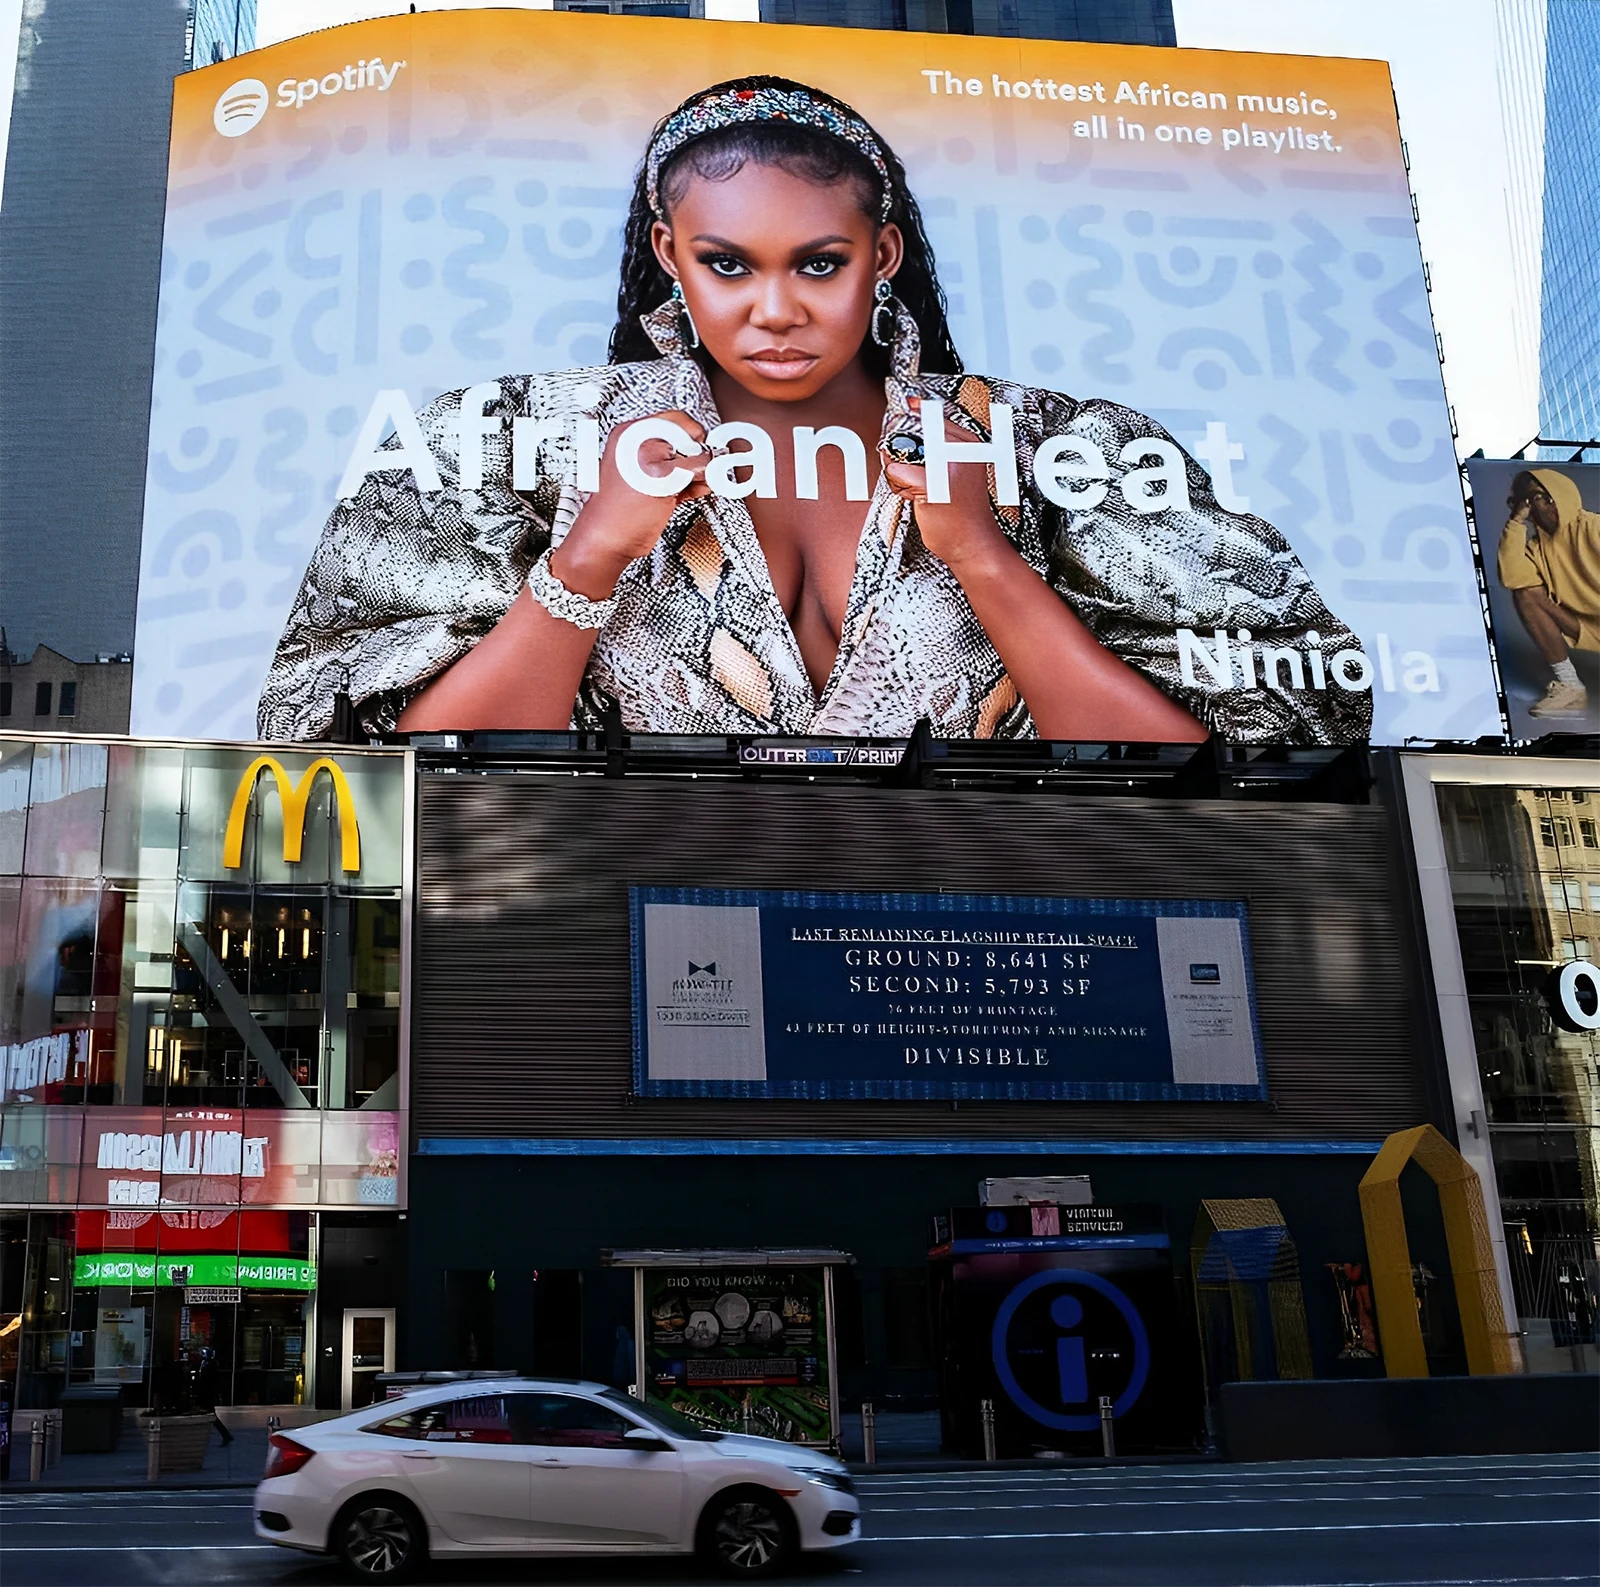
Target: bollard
(1108, 1436)
(36, 1450)
(986, 1411)
(152, 1450)
(869, 1433)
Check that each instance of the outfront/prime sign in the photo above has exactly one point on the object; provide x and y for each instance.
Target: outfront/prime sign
(917, 995)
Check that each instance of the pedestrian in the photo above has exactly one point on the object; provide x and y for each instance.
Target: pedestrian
(205, 1392)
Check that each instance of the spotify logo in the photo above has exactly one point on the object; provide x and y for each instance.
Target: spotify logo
(240, 107)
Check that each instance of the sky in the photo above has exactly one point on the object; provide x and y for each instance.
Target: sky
(1441, 54)
(10, 32)
(1443, 59)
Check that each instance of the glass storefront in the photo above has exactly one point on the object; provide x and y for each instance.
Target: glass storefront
(1524, 872)
(201, 988)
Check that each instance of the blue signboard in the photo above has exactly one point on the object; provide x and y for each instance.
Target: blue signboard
(930, 995)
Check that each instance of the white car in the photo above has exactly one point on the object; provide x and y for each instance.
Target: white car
(521, 1466)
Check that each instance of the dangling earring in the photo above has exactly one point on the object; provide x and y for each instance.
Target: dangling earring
(883, 308)
(691, 336)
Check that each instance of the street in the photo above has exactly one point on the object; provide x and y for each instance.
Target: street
(1529, 1520)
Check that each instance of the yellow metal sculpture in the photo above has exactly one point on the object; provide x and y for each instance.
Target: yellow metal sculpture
(1466, 1229)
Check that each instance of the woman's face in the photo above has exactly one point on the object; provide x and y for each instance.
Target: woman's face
(778, 273)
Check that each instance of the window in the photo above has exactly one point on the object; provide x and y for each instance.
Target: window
(69, 700)
(41, 699)
(1566, 895)
(567, 1422)
(5, 698)
(485, 1420)
(561, 1420)
(1574, 948)
(663, 1417)
(1564, 831)
(1586, 831)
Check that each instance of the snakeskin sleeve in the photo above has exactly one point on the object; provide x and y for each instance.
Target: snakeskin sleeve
(1136, 579)
(402, 584)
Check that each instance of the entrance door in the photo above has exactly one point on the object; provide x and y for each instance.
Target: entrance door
(368, 1350)
(589, 1488)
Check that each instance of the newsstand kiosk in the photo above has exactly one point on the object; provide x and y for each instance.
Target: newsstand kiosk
(739, 1341)
(1042, 1310)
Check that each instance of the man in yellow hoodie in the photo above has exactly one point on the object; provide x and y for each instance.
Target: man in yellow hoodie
(1550, 562)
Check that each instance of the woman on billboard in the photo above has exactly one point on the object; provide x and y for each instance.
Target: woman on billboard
(690, 532)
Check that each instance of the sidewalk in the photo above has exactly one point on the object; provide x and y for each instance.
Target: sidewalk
(235, 1465)
(901, 1435)
(907, 1441)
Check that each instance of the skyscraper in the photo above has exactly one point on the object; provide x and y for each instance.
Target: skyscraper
(1569, 317)
(222, 29)
(1097, 21)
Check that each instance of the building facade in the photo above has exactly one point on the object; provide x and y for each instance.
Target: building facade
(203, 1096)
(1508, 863)
(51, 693)
(528, 1095)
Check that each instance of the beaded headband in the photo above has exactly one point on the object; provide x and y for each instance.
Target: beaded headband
(742, 106)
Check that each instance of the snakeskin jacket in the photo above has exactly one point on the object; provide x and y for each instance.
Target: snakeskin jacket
(403, 583)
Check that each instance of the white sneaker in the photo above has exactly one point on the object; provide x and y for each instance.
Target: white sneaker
(1562, 699)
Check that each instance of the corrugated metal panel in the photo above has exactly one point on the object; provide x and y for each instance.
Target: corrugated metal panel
(521, 989)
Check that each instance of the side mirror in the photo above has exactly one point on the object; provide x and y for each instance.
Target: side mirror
(644, 1440)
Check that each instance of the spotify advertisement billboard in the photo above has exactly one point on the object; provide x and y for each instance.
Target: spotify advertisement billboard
(760, 381)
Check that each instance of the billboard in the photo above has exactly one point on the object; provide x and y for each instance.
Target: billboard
(928, 995)
(741, 1350)
(1539, 527)
(784, 381)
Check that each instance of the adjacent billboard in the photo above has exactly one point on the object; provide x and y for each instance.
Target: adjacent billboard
(1539, 526)
(743, 993)
(791, 381)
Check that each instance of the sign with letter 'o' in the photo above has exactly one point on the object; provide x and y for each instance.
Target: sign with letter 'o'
(1572, 994)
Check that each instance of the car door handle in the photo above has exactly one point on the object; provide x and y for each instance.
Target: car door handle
(551, 1462)
(413, 1455)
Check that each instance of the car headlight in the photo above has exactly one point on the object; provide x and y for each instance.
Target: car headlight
(826, 1479)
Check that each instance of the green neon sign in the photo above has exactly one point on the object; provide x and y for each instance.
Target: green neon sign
(141, 1271)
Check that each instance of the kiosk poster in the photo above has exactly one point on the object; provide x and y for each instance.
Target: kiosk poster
(1539, 526)
(743, 1351)
(927, 995)
(766, 381)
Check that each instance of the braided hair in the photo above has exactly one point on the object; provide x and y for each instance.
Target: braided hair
(804, 151)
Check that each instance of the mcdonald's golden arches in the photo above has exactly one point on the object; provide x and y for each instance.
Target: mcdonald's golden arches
(294, 798)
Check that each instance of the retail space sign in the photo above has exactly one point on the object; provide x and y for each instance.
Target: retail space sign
(1173, 308)
(921, 995)
(741, 1350)
(189, 1270)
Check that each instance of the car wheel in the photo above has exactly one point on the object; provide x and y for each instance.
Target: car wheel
(748, 1534)
(380, 1539)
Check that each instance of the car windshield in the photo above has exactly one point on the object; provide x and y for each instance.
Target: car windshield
(669, 1421)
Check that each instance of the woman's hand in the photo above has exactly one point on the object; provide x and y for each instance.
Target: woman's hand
(961, 532)
(619, 524)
